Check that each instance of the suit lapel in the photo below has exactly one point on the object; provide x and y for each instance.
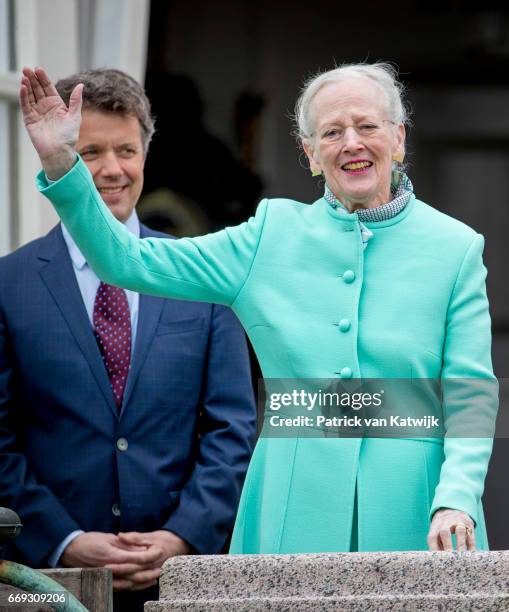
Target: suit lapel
(58, 276)
(149, 312)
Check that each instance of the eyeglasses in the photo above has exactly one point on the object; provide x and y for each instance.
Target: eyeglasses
(367, 129)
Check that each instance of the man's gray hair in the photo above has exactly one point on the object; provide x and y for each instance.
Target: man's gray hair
(111, 90)
(384, 75)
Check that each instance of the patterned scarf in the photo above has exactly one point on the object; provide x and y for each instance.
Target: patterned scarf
(401, 192)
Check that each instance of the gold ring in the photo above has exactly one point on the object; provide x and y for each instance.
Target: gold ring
(467, 529)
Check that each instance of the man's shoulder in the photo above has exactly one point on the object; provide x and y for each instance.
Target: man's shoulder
(27, 254)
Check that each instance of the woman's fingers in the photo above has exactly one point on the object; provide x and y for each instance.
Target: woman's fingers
(24, 100)
(46, 85)
(445, 539)
(26, 82)
(38, 91)
(471, 539)
(461, 536)
(40, 87)
(446, 522)
(75, 101)
(433, 540)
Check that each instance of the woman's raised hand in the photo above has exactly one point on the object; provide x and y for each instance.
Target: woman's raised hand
(53, 128)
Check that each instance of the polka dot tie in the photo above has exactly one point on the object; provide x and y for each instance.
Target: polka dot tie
(112, 326)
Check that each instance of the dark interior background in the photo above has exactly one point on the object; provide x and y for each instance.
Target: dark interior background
(223, 77)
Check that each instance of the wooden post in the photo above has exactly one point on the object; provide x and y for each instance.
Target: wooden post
(93, 586)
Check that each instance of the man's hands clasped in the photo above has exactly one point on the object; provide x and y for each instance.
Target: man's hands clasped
(134, 558)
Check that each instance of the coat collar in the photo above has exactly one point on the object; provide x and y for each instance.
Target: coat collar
(348, 218)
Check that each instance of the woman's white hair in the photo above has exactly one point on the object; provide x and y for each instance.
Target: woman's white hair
(384, 75)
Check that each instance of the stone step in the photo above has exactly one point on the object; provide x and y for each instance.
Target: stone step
(370, 603)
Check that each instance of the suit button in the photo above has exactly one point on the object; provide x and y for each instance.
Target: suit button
(348, 276)
(346, 373)
(344, 325)
(122, 444)
(115, 509)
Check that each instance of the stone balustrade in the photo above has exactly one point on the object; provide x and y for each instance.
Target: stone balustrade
(366, 582)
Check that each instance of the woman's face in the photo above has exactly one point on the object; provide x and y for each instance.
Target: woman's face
(353, 142)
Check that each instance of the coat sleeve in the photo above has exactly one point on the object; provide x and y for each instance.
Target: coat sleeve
(208, 502)
(45, 521)
(470, 390)
(211, 268)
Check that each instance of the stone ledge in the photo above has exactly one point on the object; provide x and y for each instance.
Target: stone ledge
(336, 581)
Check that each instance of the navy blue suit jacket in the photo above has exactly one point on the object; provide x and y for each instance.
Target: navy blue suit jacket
(188, 413)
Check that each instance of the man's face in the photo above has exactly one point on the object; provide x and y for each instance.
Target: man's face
(111, 146)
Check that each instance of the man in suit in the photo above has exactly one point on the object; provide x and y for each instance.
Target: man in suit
(126, 421)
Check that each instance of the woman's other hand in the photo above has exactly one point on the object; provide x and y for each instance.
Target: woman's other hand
(53, 128)
(446, 522)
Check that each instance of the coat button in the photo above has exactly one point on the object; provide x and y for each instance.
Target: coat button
(348, 276)
(115, 509)
(344, 325)
(346, 373)
(122, 444)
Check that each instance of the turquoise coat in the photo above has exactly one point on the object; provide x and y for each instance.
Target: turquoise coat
(417, 307)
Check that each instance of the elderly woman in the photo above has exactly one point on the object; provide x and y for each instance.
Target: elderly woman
(367, 281)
